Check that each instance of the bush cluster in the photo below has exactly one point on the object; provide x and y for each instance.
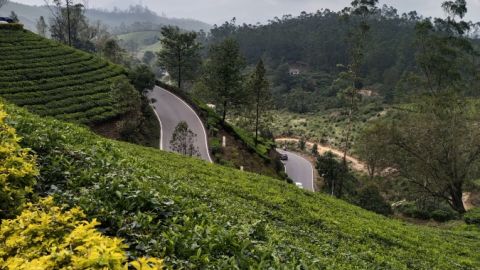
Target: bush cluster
(472, 216)
(197, 215)
(51, 79)
(45, 236)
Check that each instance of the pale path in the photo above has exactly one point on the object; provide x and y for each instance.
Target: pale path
(299, 169)
(467, 201)
(171, 110)
(356, 164)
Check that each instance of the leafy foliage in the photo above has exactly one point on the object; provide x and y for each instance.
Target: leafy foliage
(179, 54)
(473, 216)
(369, 198)
(223, 76)
(45, 236)
(17, 170)
(142, 78)
(199, 215)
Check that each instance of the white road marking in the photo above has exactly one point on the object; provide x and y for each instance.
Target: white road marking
(161, 126)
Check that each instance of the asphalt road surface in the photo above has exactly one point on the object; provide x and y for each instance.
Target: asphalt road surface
(299, 169)
(170, 111)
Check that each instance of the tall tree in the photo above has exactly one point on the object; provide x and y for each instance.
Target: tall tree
(223, 75)
(260, 94)
(112, 51)
(372, 147)
(67, 22)
(42, 27)
(180, 54)
(332, 172)
(360, 12)
(436, 143)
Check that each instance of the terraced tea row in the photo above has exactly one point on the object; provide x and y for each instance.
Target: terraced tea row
(51, 79)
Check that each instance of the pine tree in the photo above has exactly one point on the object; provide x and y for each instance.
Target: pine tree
(223, 75)
(259, 91)
(180, 54)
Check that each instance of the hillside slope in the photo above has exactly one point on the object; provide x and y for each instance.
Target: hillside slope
(203, 216)
(55, 80)
(28, 15)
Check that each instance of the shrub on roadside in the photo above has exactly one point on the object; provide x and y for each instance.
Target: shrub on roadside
(472, 216)
(369, 198)
(443, 215)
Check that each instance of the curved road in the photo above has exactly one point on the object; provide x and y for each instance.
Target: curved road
(356, 164)
(299, 169)
(170, 111)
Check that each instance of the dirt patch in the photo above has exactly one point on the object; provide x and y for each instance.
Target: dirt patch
(470, 200)
(355, 163)
(108, 129)
(237, 155)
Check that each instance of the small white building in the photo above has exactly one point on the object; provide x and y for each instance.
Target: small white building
(294, 72)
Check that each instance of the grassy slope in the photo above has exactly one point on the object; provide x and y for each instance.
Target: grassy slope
(55, 80)
(139, 38)
(327, 126)
(241, 150)
(197, 214)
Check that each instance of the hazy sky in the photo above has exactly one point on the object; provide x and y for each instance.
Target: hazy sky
(252, 11)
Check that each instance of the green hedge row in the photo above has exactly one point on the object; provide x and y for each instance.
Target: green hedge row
(11, 26)
(51, 79)
(52, 61)
(23, 99)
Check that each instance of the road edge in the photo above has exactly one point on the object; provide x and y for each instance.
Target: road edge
(308, 161)
(160, 121)
(198, 117)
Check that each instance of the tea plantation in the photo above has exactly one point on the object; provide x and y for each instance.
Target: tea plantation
(197, 215)
(55, 80)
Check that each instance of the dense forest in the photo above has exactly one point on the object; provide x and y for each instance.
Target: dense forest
(317, 45)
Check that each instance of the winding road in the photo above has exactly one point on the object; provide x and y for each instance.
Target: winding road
(355, 163)
(170, 111)
(299, 169)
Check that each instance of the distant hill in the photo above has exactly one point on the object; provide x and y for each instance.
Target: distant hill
(28, 15)
(51, 79)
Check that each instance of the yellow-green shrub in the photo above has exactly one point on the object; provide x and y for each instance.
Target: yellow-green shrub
(44, 236)
(17, 170)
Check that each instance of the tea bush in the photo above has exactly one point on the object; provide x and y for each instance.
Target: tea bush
(51, 79)
(473, 216)
(197, 215)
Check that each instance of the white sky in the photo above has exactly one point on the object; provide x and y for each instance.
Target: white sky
(252, 11)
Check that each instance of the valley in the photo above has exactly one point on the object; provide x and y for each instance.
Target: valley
(332, 139)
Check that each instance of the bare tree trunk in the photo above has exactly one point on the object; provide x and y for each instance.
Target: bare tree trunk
(257, 117)
(68, 24)
(224, 111)
(179, 82)
(456, 192)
